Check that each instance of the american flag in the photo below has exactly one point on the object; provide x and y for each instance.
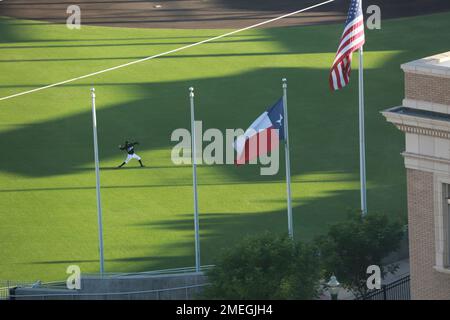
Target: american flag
(352, 39)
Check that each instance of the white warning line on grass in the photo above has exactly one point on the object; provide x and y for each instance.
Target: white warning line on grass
(165, 53)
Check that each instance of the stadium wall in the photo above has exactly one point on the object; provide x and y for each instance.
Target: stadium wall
(129, 287)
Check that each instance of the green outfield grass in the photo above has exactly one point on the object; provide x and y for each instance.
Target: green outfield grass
(48, 216)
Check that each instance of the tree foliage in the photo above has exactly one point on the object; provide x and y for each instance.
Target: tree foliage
(351, 246)
(266, 267)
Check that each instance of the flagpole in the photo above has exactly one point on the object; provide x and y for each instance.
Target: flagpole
(97, 177)
(288, 161)
(362, 142)
(194, 179)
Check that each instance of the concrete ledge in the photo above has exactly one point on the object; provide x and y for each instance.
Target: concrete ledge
(442, 270)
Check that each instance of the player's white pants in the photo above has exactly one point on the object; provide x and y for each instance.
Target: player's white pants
(132, 156)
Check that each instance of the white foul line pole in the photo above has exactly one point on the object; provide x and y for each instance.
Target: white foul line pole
(97, 176)
(288, 161)
(167, 52)
(194, 181)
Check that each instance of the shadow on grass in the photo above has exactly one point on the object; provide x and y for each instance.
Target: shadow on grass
(219, 231)
(178, 56)
(170, 184)
(127, 44)
(75, 261)
(323, 128)
(63, 145)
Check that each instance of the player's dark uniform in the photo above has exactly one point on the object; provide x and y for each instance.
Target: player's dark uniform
(129, 148)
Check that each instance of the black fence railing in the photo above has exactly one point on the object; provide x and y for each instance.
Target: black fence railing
(397, 290)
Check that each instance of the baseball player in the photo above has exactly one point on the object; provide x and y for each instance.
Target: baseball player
(129, 148)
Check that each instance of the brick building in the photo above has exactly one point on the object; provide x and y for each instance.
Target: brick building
(424, 117)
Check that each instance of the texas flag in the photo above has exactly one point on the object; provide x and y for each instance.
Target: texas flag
(262, 136)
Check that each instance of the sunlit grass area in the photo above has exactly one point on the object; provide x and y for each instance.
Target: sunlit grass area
(48, 217)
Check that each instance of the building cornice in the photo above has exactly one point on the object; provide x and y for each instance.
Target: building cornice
(435, 127)
(423, 131)
(430, 66)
